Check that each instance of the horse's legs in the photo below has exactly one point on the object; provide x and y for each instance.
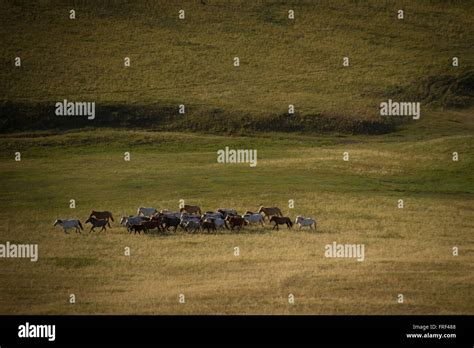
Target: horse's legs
(65, 230)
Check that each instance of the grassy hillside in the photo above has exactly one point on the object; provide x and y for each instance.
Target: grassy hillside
(408, 250)
(190, 62)
(173, 156)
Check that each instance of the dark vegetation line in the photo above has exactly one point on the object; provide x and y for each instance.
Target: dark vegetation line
(41, 116)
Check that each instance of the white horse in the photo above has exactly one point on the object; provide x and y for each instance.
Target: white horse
(185, 218)
(212, 216)
(219, 222)
(302, 222)
(146, 211)
(253, 218)
(68, 224)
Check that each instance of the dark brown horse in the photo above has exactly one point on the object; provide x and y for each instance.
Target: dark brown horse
(209, 225)
(281, 220)
(191, 209)
(102, 215)
(97, 223)
(235, 221)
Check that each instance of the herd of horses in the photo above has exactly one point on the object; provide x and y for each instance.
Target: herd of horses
(189, 218)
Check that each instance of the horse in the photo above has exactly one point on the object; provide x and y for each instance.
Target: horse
(67, 224)
(220, 223)
(191, 209)
(236, 221)
(253, 218)
(185, 218)
(170, 221)
(281, 220)
(211, 215)
(150, 225)
(102, 215)
(170, 213)
(227, 212)
(146, 211)
(128, 221)
(269, 212)
(301, 221)
(208, 225)
(97, 223)
(138, 228)
(191, 225)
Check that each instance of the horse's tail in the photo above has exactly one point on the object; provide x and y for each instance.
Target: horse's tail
(279, 212)
(80, 225)
(291, 223)
(111, 217)
(200, 212)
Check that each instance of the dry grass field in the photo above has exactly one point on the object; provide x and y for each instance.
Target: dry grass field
(407, 251)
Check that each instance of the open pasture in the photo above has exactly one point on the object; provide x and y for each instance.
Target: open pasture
(407, 250)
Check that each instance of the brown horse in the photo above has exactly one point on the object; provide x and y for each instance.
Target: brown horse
(97, 223)
(191, 209)
(281, 220)
(235, 221)
(101, 215)
(269, 212)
